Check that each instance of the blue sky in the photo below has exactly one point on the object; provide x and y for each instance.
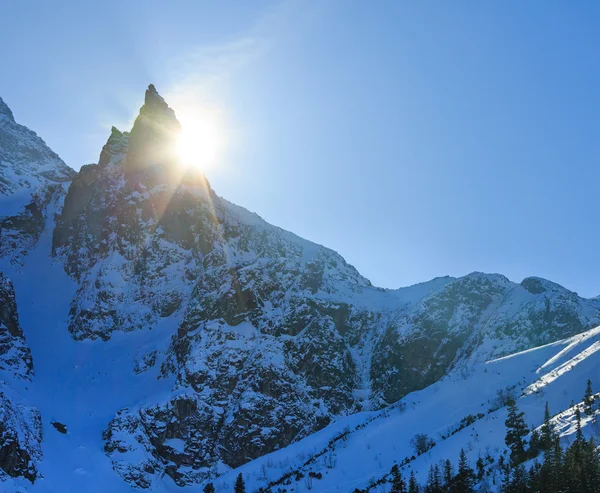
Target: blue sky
(418, 139)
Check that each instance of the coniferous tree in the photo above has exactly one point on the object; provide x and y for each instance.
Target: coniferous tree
(464, 481)
(505, 485)
(447, 475)
(535, 443)
(579, 439)
(590, 467)
(434, 480)
(240, 486)
(588, 399)
(480, 466)
(548, 432)
(398, 483)
(516, 430)
(519, 481)
(534, 477)
(551, 473)
(209, 488)
(413, 486)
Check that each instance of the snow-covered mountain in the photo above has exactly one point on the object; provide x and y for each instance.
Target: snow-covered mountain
(179, 337)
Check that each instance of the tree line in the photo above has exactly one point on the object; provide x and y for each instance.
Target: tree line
(552, 468)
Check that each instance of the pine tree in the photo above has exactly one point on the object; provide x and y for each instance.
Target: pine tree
(551, 475)
(209, 488)
(398, 483)
(588, 399)
(548, 432)
(534, 477)
(413, 486)
(590, 467)
(579, 439)
(535, 443)
(240, 486)
(516, 430)
(434, 480)
(505, 486)
(519, 482)
(447, 475)
(480, 465)
(464, 482)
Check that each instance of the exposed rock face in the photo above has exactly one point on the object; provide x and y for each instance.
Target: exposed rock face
(20, 439)
(20, 425)
(15, 357)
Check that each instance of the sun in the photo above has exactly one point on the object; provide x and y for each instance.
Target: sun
(202, 139)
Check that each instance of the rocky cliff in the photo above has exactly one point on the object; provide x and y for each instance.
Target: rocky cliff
(20, 424)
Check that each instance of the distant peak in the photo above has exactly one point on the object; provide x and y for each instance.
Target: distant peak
(116, 144)
(5, 111)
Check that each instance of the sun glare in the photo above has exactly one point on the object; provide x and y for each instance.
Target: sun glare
(202, 139)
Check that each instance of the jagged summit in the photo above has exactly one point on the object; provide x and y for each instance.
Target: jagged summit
(154, 135)
(115, 145)
(154, 101)
(5, 111)
(26, 162)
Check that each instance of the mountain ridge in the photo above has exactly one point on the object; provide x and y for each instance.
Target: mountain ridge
(246, 337)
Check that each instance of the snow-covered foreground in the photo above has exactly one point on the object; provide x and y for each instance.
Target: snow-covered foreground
(556, 373)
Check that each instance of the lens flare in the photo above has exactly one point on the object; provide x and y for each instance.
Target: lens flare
(202, 139)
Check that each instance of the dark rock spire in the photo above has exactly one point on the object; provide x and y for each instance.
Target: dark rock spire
(153, 138)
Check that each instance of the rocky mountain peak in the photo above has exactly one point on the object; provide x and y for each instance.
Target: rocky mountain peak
(26, 162)
(5, 111)
(154, 135)
(115, 145)
(154, 101)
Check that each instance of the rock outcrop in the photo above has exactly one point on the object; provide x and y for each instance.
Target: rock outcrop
(20, 424)
(15, 356)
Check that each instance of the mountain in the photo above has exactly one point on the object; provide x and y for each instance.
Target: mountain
(176, 337)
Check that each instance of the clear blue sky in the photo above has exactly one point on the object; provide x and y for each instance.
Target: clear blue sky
(418, 139)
